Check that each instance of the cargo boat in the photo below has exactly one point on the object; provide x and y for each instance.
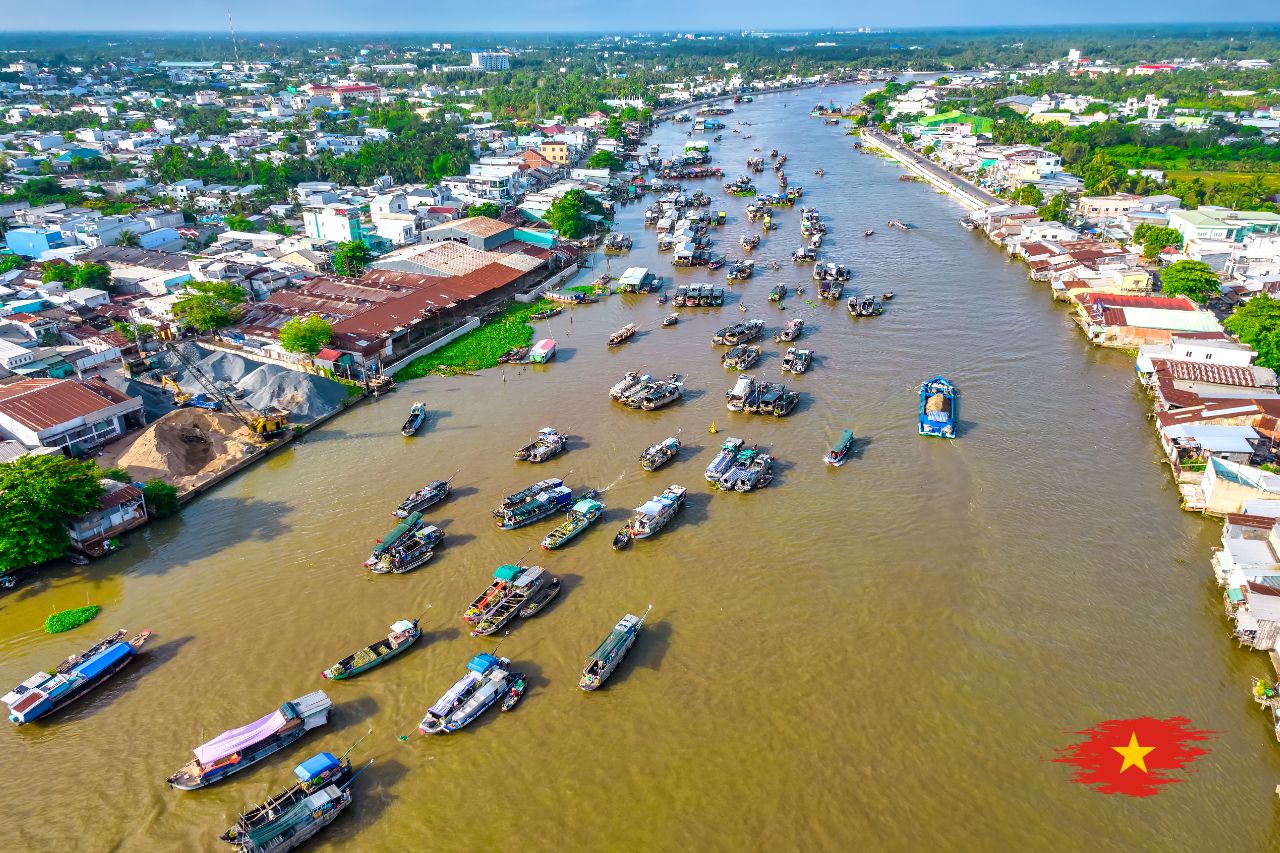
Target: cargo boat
(429, 495)
(527, 494)
(625, 333)
(317, 772)
(751, 469)
(579, 517)
(605, 659)
(660, 454)
(513, 588)
(839, 451)
(538, 507)
(410, 544)
(46, 692)
(486, 681)
(417, 417)
(790, 332)
(234, 750)
(938, 408)
(404, 633)
(723, 460)
(651, 516)
(741, 357)
(548, 443)
(298, 824)
(797, 360)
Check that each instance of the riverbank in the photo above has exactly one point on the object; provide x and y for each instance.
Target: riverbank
(967, 193)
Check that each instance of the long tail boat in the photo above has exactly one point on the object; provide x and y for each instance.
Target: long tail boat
(404, 633)
(577, 519)
(485, 682)
(300, 821)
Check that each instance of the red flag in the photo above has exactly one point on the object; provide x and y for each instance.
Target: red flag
(1134, 757)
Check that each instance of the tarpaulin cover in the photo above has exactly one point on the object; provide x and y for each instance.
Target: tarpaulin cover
(102, 661)
(445, 705)
(315, 765)
(231, 742)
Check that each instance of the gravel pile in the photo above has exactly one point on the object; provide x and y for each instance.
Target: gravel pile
(305, 396)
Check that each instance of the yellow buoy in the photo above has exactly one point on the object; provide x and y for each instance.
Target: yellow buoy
(713, 429)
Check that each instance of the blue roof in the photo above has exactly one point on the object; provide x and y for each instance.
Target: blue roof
(102, 661)
(314, 766)
(482, 663)
(83, 153)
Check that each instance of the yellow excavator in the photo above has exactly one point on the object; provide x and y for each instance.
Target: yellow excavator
(179, 396)
(266, 423)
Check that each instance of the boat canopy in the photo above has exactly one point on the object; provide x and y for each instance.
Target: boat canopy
(102, 661)
(444, 705)
(529, 577)
(587, 505)
(633, 276)
(401, 626)
(316, 766)
(616, 638)
(230, 742)
(482, 663)
(507, 572)
(397, 532)
(845, 438)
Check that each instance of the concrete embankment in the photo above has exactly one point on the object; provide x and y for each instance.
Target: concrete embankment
(970, 195)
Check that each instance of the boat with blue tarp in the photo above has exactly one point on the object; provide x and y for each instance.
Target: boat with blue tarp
(316, 773)
(538, 507)
(48, 691)
(486, 681)
(605, 659)
(938, 408)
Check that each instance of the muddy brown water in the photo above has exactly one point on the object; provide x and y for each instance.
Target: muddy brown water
(882, 656)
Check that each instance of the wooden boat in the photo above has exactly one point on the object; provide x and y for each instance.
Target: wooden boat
(316, 773)
(791, 331)
(796, 360)
(868, 233)
(778, 293)
(887, 295)
(938, 408)
(298, 823)
(548, 443)
(671, 319)
(743, 332)
(404, 633)
(749, 242)
(723, 460)
(536, 508)
(741, 357)
(429, 495)
(518, 686)
(410, 544)
(579, 517)
(660, 454)
(651, 516)
(630, 381)
(525, 588)
(839, 451)
(540, 598)
(527, 494)
(547, 313)
(236, 749)
(49, 691)
(485, 682)
(623, 334)
(514, 355)
(417, 417)
(752, 469)
(605, 659)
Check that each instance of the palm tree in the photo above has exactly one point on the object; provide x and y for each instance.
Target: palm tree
(128, 240)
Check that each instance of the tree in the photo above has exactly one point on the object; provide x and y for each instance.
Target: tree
(307, 335)
(130, 331)
(350, 258)
(128, 240)
(605, 160)
(120, 475)
(1195, 279)
(38, 496)
(488, 208)
(1257, 323)
(1028, 194)
(236, 222)
(568, 214)
(92, 275)
(1154, 238)
(1057, 210)
(209, 305)
(56, 271)
(11, 262)
(160, 497)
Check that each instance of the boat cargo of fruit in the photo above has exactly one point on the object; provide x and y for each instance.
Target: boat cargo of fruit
(579, 517)
(410, 544)
(651, 516)
(938, 408)
(605, 659)
(236, 749)
(515, 591)
(48, 691)
(404, 633)
(486, 681)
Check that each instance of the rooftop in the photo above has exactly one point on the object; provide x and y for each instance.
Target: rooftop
(43, 403)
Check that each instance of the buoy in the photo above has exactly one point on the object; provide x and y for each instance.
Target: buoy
(713, 429)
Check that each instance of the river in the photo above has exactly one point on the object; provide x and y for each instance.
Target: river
(884, 655)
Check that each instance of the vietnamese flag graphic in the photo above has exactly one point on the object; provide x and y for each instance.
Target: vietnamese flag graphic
(1135, 757)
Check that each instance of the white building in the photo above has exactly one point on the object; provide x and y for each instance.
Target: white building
(488, 60)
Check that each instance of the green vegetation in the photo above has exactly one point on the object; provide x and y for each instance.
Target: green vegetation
(128, 329)
(350, 258)
(160, 497)
(479, 348)
(128, 240)
(66, 620)
(1195, 279)
(605, 160)
(1257, 323)
(488, 208)
(38, 496)
(1155, 238)
(1057, 210)
(1028, 194)
(236, 222)
(308, 335)
(120, 475)
(568, 214)
(209, 305)
(9, 262)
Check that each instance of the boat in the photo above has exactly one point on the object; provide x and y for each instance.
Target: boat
(628, 382)
(547, 313)
(518, 686)
(617, 243)
(548, 443)
(404, 633)
(967, 223)
(839, 451)
(662, 299)
(512, 592)
(771, 399)
(671, 319)
(661, 394)
(796, 360)
(723, 460)
(749, 242)
(741, 357)
(773, 153)
(410, 544)
(790, 332)
(744, 332)
(887, 295)
(868, 233)
(830, 290)
(316, 773)
(841, 272)
(579, 517)
(938, 408)
(737, 395)
(605, 659)
(778, 293)
(741, 270)
(804, 255)
(514, 355)
(623, 334)
(751, 469)
(651, 516)
(898, 223)
(298, 823)
(527, 494)
(417, 417)
(866, 306)
(236, 749)
(486, 680)
(429, 495)
(539, 507)
(52, 690)
(657, 455)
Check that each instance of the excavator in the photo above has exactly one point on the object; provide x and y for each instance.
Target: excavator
(261, 422)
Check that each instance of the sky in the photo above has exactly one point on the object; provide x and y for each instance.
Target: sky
(600, 15)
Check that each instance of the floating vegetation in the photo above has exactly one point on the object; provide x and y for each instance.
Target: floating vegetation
(479, 348)
(66, 620)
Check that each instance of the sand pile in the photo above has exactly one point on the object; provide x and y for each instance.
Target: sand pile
(185, 448)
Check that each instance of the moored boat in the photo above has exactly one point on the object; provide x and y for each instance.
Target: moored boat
(751, 469)
(736, 397)
(743, 332)
(660, 454)
(316, 773)
(938, 408)
(579, 517)
(548, 443)
(741, 357)
(410, 544)
(723, 460)
(629, 382)
(298, 823)
(485, 682)
(651, 516)
(417, 417)
(236, 749)
(623, 334)
(671, 319)
(546, 314)
(519, 684)
(513, 589)
(839, 451)
(404, 633)
(796, 360)
(538, 507)
(527, 494)
(429, 495)
(48, 691)
(790, 331)
(605, 659)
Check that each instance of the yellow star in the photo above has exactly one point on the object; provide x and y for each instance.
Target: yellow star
(1133, 754)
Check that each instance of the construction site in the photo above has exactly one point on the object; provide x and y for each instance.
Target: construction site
(210, 412)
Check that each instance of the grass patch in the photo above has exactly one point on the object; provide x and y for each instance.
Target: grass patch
(1271, 180)
(582, 288)
(65, 620)
(480, 347)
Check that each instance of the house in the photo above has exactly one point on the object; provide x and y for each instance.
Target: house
(1250, 549)
(34, 242)
(555, 151)
(66, 413)
(478, 232)
(1120, 320)
(122, 508)
(338, 223)
(1095, 209)
(1227, 487)
(1220, 223)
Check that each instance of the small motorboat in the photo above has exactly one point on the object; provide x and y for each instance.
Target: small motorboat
(516, 693)
(868, 232)
(417, 417)
(839, 451)
(887, 295)
(672, 319)
(662, 299)
(546, 314)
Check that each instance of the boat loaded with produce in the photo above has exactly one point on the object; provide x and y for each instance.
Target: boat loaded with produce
(48, 691)
(515, 591)
(410, 544)
(577, 519)
(404, 633)
(938, 408)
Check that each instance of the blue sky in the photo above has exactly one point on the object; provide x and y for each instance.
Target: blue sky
(561, 15)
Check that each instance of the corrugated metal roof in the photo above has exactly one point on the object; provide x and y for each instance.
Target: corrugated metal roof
(40, 404)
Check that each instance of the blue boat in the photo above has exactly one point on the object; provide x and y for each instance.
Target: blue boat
(938, 410)
(486, 681)
(540, 506)
(46, 692)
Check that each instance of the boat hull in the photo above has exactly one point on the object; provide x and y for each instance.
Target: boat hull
(81, 691)
(253, 756)
(381, 659)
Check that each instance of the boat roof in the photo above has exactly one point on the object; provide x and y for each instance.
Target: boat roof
(533, 573)
(399, 530)
(232, 741)
(547, 431)
(445, 703)
(402, 625)
(846, 436)
(102, 661)
(315, 765)
(507, 572)
(482, 663)
(587, 504)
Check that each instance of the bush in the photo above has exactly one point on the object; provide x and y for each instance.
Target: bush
(66, 620)
(161, 498)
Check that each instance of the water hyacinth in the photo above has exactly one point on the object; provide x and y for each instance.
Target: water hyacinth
(66, 620)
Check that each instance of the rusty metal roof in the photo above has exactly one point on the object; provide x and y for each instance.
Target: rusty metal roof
(43, 403)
